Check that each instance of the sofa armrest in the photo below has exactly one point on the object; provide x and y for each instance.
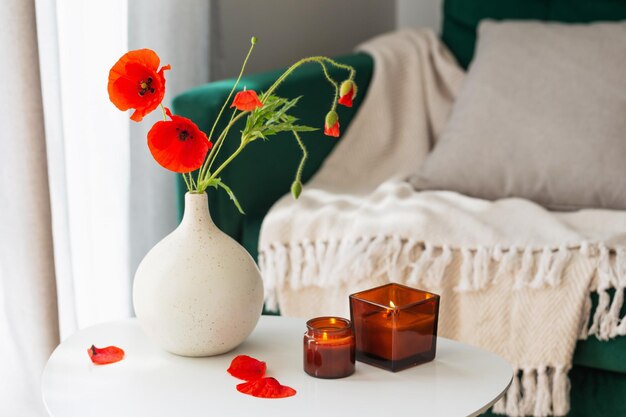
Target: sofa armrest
(264, 171)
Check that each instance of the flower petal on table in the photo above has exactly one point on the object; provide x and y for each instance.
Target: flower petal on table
(247, 368)
(104, 356)
(266, 388)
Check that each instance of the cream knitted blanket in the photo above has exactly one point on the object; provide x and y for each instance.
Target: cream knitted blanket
(513, 278)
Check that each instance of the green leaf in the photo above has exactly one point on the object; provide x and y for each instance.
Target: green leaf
(302, 128)
(230, 194)
(272, 118)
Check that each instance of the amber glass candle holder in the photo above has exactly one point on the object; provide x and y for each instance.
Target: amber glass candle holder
(329, 348)
(395, 326)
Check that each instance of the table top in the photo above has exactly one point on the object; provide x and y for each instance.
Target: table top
(461, 381)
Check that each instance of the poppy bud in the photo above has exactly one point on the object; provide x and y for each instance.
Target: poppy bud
(347, 93)
(253, 40)
(296, 189)
(246, 100)
(331, 124)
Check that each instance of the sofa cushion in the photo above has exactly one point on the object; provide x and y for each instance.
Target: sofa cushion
(541, 116)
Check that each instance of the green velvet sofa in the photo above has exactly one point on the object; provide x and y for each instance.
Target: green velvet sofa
(263, 173)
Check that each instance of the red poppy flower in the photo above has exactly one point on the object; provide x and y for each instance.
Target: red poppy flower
(266, 388)
(247, 368)
(105, 355)
(178, 144)
(246, 100)
(331, 124)
(347, 93)
(135, 82)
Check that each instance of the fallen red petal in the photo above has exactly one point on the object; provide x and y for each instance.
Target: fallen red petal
(103, 356)
(247, 368)
(266, 388)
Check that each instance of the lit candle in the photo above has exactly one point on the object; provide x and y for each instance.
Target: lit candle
(395, 334)
(329, 348)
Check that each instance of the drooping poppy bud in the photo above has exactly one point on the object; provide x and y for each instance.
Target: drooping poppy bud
(347, 93)
(247, 368)
(136, 82)
(104, 356)
(266, 388)
(296, 189)
(246, 100)
(331, 124)
(178, 144)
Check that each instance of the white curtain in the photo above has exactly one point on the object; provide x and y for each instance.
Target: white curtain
(81, 199)
(88, 158)
(28, 322)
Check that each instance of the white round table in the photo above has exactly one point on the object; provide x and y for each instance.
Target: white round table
(461, 381)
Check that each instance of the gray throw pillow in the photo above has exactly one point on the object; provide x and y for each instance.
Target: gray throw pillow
(541, 115)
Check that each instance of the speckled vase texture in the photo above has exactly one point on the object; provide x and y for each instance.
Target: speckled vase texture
(198, 292)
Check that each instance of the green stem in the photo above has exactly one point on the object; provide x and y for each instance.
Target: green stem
(186, 182)
(342, 66)
(228, 161)
(285, 74)
(205, 177)
(204, 170)
(319, 59)
(221, 139)
(305, 155)
(219, 115)
(334, 84)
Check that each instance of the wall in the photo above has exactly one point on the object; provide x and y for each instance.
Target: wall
(290, 29)
(419, 13)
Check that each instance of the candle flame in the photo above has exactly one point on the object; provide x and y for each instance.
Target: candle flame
(392, 311)
(333, 320)
(324, 336)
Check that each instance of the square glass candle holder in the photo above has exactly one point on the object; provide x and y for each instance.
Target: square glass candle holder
(395, 326)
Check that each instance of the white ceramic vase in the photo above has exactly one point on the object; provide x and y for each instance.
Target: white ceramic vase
(198, 292)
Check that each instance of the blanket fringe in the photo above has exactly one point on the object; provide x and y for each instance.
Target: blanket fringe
(421, 264)
(419, 267)
(529, 386)
(560, 391)
(437, 270)
(513, 398)
(466, 271)
(538, 392)
(611, 275)
(525, 272)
